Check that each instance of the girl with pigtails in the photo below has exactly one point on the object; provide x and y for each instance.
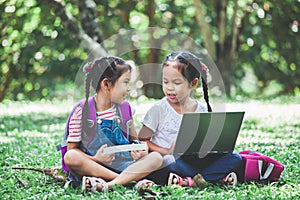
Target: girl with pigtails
(180, 75)
(86, 140)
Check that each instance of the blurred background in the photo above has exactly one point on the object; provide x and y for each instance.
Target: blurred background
(254, 43)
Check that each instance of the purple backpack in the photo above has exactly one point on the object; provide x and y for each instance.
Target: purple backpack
(259, 167)
(123, 109)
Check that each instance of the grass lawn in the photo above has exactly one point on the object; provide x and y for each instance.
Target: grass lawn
(30, 131)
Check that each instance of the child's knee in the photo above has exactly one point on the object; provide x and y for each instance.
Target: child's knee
(156, 158)
(71, 158)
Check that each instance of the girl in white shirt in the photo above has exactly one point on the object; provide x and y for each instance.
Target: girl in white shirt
(181, 74)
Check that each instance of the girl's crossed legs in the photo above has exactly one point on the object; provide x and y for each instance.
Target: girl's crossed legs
(80, 165)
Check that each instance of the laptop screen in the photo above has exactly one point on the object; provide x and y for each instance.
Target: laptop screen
(203, 133)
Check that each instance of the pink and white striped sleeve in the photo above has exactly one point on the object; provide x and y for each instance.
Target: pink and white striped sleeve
(75, 126)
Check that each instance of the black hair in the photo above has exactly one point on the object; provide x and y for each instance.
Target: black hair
(111, 68)
(190, 67)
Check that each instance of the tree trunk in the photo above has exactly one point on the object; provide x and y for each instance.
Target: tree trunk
(150, 73)
(223, 60)
(209, 44)
(224, 50)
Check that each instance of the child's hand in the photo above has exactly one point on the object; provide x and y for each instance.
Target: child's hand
(138, 154)
(170, 150)
(172, 147)
(104, 158)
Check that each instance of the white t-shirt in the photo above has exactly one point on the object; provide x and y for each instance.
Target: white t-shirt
(164, 121)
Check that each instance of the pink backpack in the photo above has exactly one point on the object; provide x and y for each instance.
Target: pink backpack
(259, 167)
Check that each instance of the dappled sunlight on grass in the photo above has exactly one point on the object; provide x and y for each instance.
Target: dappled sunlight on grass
(269, 113)
(17, 108)
(276, 136)
(32, 126)
(6, 139)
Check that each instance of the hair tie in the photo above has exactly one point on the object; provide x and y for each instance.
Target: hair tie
(204, 68)
(87, 68)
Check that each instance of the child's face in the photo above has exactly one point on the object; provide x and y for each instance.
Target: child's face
(121, 88)
(175, 86)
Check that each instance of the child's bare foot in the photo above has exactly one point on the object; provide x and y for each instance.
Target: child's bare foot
(93, 184)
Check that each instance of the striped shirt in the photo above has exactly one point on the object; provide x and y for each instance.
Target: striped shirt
(108, 114)
(75, 125)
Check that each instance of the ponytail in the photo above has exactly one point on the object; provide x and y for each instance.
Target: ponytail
(85, 111)
(204, 71)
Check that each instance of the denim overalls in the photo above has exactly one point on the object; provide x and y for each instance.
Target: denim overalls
(109, 132)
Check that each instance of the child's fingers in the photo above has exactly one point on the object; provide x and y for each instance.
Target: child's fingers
(112, 157)
(135, 155)
(143, 142)
(109, 158)
(103, 147)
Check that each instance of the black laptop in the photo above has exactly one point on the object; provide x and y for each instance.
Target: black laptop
(206, 133)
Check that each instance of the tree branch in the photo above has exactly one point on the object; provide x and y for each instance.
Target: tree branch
(236, 23)
(205, 28)
(221, 22)
(72, 25)
(89, 20)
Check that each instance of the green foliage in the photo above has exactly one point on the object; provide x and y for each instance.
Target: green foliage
(38, 50)
(30, 131)
(268, 46)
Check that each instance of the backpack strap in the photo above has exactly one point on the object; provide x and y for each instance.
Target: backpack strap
(92, 114)
(91, 119)
(125, 113)
(267, 172)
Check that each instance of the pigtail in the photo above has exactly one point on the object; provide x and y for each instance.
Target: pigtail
(204, 85)
(85, 111)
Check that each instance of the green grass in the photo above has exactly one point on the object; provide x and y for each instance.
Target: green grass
(30, 131)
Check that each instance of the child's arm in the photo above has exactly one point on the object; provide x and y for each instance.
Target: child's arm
(136, 155)
(145, 135)
(99, 157)
(133, 134)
